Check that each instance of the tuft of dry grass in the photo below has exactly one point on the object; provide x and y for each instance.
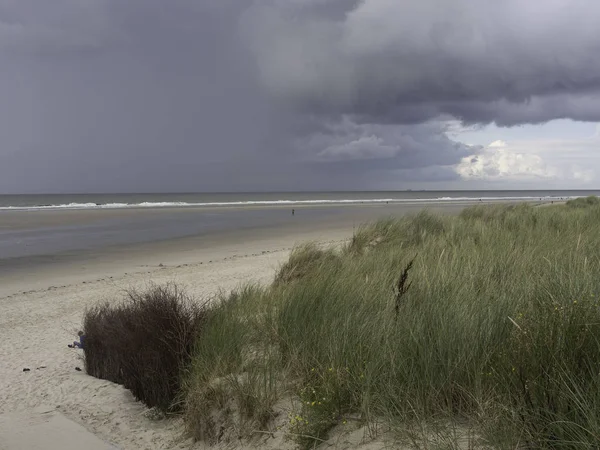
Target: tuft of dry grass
(144, 343)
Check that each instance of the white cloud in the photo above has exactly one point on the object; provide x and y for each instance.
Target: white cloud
(500, 161)
(585, 175)
(497, 162)
(497, 144)
(523, 156)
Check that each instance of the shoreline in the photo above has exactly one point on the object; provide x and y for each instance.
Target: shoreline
(108, 202)
(78, 265)
(21, 218)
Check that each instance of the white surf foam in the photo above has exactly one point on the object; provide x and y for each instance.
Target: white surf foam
(276, 203)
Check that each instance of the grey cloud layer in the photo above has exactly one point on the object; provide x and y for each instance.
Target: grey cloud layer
(390, 146)
(409, 61)
(274, 94)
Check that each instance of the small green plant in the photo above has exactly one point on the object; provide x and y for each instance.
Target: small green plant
(324, 397)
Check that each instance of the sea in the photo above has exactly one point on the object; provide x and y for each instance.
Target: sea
(49, 225)
(149, 200)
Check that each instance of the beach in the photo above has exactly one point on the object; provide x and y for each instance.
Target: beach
(43, 298)
(37, 325)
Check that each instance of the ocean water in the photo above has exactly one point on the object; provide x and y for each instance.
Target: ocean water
(113, 201)
(34, 226)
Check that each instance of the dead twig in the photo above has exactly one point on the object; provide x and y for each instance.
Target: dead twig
(402, 286)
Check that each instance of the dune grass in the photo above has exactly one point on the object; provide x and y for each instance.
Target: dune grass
(496, 328)
(583, 202)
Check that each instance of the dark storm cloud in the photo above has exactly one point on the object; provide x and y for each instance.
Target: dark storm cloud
(276, 94)
(416, 60)
(164, 99)
(54, 28)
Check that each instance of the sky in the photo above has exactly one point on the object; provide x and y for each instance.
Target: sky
(271, 95)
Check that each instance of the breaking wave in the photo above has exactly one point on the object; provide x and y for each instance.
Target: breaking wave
(275, 203)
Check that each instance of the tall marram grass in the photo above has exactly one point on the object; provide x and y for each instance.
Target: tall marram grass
(499, 330)
(583, 202)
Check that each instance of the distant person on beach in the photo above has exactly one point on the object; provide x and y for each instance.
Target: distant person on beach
(79, 343)
(293, 211)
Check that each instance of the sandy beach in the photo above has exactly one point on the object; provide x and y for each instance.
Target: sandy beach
(41, 308)
(40, 317)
